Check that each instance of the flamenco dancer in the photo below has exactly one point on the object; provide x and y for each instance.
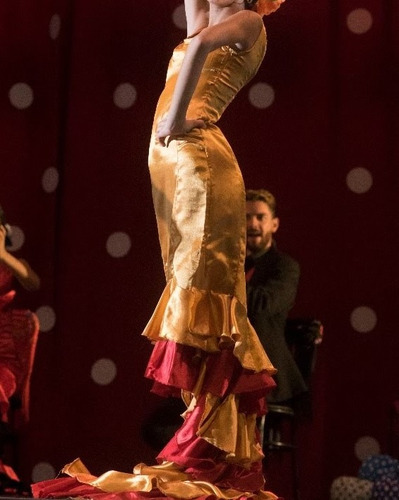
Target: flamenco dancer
(204, 346)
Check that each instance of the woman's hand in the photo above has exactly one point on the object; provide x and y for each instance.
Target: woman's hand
(19, 267)
(3, 234)
(164, 129)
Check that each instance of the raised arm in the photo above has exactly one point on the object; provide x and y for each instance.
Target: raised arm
(197, 15)
(19, 267)
(240, 30)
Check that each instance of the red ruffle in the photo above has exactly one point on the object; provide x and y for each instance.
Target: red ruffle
(205, 462)
(67, 487)
(70, 487)
(175, 366)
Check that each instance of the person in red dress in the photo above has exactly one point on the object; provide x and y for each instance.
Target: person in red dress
(19, 330)
(17, 326)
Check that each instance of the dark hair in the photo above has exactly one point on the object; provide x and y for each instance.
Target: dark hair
(250, 4)
(263, 195)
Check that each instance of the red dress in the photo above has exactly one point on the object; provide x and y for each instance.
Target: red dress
(19, 329)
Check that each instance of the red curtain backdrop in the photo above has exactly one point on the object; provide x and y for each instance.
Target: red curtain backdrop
(318, 126)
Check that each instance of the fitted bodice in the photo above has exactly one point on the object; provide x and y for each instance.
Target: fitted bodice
(224, 73)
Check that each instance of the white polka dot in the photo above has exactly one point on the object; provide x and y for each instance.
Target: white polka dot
(365, 447)
(359, 180)
(21, 95)
(17, 238)
(47, 318)
(179, 17)
(54, 26)
(103, 371)
(125, 95)
(261, 95)
(50, 179)
(43, 471)
(359, 21)
(118, 244)
(363, 319)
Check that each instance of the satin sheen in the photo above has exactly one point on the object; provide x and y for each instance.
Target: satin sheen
(199, 199)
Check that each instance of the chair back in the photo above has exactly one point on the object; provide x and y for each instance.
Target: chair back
(303, 335)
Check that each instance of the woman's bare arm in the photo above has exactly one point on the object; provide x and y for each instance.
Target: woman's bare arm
(197, 15)
(19, 267)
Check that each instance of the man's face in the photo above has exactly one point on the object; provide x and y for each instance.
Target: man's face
(261, 225)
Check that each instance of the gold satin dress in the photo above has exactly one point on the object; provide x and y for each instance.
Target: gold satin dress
(199, 199)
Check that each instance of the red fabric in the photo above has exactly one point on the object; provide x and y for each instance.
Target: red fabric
(174, 366)
(19, 329)
(7, 388)
(205, 462)
(6, 292)
(249, 274)
(25, 331)
(65, 487)
(70, 487)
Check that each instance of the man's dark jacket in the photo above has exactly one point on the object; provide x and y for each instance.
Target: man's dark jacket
(271, 292)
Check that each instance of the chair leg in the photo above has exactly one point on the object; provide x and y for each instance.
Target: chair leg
(279, 430)
(261, 429)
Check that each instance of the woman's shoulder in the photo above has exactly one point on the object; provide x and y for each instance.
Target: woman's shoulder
(250, 16)
(252, 24)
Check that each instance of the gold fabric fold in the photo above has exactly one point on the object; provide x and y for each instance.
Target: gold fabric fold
(233, 432)
(166, 477)
(209, 321)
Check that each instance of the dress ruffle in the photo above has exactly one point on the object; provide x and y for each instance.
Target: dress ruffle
(209, 321)
(164, 482)
(175, 368)
(215, 454)
(217, 442)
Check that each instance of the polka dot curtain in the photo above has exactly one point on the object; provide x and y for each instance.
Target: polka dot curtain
(317, 126)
